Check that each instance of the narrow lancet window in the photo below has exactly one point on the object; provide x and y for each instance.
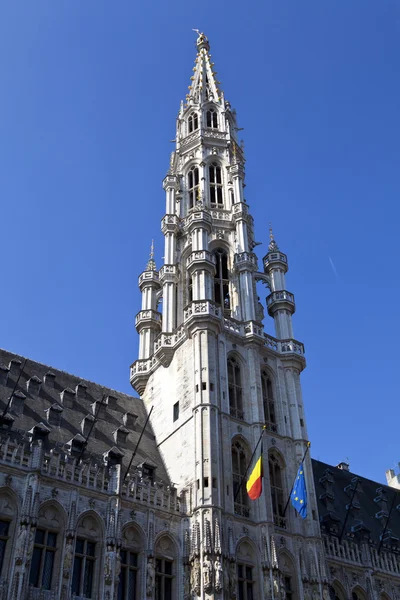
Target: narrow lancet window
(215, 180)
(221, 281)
(193, 185)
(193, 122)
(212, 118)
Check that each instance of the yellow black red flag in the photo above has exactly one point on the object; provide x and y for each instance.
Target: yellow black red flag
(254, 482)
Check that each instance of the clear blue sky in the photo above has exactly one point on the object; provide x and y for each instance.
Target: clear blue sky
(90, 92)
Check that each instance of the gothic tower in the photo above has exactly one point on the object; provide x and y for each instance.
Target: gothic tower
(215, 379)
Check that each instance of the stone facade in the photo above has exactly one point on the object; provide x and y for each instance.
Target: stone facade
(107, 496)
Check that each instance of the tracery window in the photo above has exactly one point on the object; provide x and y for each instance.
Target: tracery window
(193, 122)
(164, 578)
(193, 185)
(215, 181)
(165, 556)
(212, 118)
(128, 578)
(239, 466)
(4, 537)
(277, 492)
(84, 565)
(268, 402)
(85, 576)
(246, 581)
(221, 281)
(235, 389)
(42, 565)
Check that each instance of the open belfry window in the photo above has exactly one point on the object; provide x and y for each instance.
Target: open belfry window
(240, 458)
(193, 185)
(193, 122)
(268, 402)
(235, 388)
(215, 182)
(212, 118)
(277, 492)
(221, 281)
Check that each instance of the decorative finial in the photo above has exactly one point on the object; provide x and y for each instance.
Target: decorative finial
(272, 246)
(202, 40)
(151, 265)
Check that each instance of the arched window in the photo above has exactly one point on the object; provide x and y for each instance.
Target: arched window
(221, 281)
(86, 573)
(239, 466)
(235, 389)
(246, 572)
(277, 492)
(212, 118)
(338, 591)
(358, 594)
(8, 520)
(193, 122)
(215, 180)
(268, 402)
(131, 557)
(288, 576)
(165, 568)
(45, 566)
(193, 185)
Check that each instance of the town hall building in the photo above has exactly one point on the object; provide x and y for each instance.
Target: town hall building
(108, 496)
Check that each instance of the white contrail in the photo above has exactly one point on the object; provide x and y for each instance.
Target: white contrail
(333, 267)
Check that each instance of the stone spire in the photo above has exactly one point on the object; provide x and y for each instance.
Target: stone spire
(272, 246)
(151, 263)
(204, 85)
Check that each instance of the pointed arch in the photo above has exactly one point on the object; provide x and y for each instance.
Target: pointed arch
(358, 593)
(247, 569)
(235, 386)
(166, 552)
(48, 546)
(240, 453)
(9, 511)
(212, 117)
(339, 593)
(276, 466)
(221, 280)
(193, 122)
(268, 398)
(215, 184)
(384, 596)
(287, 565)
(87, 556)
(132, 561)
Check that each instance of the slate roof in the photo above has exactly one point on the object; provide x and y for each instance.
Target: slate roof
(41, 388)
(372, 500)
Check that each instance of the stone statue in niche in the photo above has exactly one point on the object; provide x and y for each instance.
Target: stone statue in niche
(218, 575)
(207, 573)
(232, 580)
(267, 584)
(186, 582)
(21, 541)
(69, 550)
(195, 577)
(260, 311)
(150, 577)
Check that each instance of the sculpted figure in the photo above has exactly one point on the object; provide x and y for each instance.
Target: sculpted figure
(117, 566)
(150, 577)
(195, 577)
(207, 570)
(186, 582)
(306, 591)
(218, 575)
(21, 541)
(267, 585)
(315, 594)
(68, 558)
(30, 542)
(108, 563)
(232, 580)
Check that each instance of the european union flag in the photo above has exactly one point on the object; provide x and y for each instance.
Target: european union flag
(299, 493)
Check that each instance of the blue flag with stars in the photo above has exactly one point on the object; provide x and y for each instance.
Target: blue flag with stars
(299, 493)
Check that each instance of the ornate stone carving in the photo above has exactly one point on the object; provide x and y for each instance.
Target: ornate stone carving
(150, 577)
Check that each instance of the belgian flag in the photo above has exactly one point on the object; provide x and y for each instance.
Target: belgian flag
(254, 482)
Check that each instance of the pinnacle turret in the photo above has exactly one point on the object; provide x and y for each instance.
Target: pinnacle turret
(204, 86)
(151, 263)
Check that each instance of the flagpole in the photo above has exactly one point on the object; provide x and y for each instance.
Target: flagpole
(250, 462)
(290, 495)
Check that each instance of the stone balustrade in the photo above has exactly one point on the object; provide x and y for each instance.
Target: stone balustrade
(148, 317)
(199, 257)
(280, 296)
(151, 494)
(170, 224)
(201, 307)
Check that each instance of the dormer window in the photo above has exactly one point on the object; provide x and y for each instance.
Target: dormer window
(54, 414)
(193, 185)
(193, 122)
(148, 472)
(212, 118)
(215, 180)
